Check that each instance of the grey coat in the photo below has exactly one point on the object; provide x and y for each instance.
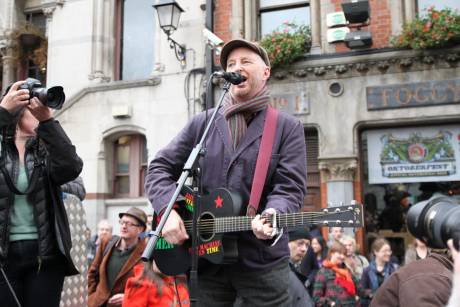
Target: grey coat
(222, 166)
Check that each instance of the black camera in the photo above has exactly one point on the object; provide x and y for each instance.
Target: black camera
(436, 220)
(53, 97)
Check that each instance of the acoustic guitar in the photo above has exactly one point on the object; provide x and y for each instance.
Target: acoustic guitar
(220, 220)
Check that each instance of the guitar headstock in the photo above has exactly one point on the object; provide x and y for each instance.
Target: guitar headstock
(342, 216)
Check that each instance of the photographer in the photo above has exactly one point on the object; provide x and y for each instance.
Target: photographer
(37, 157)
(425, 282)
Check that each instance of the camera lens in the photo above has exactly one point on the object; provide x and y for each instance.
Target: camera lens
(55, 97)
(435, 221)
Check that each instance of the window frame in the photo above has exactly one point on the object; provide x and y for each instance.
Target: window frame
(278, 7)
(137, 167)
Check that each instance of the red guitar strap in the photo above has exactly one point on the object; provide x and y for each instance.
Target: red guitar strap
(263, 160)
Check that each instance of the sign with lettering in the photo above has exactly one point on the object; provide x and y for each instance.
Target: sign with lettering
(414, 154)
(291, 98)
(413, 94)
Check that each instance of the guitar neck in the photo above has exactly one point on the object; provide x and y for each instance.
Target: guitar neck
(285, 220)
(347, 216)
(243, 223)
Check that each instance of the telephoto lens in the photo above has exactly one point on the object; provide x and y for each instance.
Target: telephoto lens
(53, 97)
(435, 221)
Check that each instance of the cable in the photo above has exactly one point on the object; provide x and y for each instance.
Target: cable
(10, 287)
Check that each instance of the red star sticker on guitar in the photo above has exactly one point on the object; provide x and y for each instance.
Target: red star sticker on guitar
(218, 201)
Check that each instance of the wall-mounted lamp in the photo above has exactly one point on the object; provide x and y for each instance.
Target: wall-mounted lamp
(168, 16)
(357, 13)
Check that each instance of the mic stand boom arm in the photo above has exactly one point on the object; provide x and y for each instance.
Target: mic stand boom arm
(190, 165)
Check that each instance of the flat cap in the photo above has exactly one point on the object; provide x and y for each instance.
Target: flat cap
(237, 43)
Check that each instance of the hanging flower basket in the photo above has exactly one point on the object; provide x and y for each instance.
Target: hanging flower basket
(28, 42)
(435, 29)
(287, 43)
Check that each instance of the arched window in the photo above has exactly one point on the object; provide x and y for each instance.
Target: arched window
(130, 165)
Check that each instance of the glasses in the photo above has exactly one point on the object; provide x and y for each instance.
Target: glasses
(128, 224)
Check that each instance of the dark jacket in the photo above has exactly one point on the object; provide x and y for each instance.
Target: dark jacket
(98, 289)
(53, 155)
(222, 166)
(369, 279)
(422, 283)
(297, 290)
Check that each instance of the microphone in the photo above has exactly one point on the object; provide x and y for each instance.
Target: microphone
(232, 77)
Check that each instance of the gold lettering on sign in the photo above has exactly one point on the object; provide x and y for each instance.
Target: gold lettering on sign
(408, 95)
(418, 97)
(455, 91)
(386, 95)
(435, 97)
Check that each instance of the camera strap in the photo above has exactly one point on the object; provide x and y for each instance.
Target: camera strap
(36, 173)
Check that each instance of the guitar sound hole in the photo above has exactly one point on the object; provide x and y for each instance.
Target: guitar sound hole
(206, 226)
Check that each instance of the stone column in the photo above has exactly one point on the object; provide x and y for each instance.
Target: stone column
(315, 16)
(250, 22)
(98, 74)
(338, 174)
(409, 10)
(8, 67)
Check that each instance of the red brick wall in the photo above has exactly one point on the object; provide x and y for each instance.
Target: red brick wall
(222, 15)
(380, 24)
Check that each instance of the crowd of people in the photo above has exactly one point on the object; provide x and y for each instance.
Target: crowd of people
(274, 267)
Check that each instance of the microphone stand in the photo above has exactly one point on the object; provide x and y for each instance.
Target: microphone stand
(191, 166)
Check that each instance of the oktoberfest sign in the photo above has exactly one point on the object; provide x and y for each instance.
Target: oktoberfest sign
(414, 154)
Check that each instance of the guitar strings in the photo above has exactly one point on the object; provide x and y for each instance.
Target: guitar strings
(241, 223)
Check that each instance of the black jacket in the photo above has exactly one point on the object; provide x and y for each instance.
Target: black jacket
(53, 155)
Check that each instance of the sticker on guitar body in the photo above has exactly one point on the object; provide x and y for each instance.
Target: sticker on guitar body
(208, 248)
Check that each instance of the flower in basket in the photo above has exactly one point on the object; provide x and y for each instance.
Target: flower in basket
(287, 43)
(28, 42)
(435, 29)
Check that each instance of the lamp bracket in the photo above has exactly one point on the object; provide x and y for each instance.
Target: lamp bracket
(179, 49)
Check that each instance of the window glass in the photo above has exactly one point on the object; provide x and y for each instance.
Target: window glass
(269, 21)
(137, 39)
(122, 185)
(122, 152)
(439, 5)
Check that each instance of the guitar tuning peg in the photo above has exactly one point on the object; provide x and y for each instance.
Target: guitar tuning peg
(325, 223)
(325, 210)
(350, 222)
(337, 210)
(338, 222)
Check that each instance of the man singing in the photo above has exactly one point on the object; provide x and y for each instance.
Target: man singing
(260, 276)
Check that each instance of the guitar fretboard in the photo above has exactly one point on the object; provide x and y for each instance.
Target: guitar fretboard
(344, 218)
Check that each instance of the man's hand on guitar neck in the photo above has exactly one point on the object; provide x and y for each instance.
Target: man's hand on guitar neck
(262, 227)
(174, 230)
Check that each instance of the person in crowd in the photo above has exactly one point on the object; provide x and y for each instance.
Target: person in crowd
(261, 274)
(320, 249)
(114, 264)
(299, 242)
(335, 234)
(104, 233)
(416, 251)
(393, 215)
(150, 288)
(313, 261)
(334, 284)
(36, 158)
(426, 282)
(454, 300)
(379, 269)
(355, 262)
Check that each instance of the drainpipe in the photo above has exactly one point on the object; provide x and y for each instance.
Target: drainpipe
(209, 61)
